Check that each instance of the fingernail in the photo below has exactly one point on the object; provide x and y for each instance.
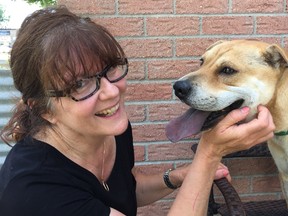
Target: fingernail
(225, 172)
(245, 109)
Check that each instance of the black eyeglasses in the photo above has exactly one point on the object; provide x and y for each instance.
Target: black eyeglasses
(86, 87)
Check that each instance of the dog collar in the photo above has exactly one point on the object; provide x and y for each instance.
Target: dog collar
(281, 133)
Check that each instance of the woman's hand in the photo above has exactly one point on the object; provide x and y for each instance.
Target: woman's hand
(228, 136)
(221, 172)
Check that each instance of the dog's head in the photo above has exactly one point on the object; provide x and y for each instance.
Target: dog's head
(232, 74)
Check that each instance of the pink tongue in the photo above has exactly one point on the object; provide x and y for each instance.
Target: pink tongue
(188, 124)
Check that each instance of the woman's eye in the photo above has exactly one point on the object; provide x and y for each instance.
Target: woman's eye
(228, 71)
(80, 84)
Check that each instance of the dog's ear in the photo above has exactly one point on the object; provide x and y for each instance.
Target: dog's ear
(276, 56)
(215, 44)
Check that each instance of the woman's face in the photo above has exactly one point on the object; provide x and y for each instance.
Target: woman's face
(101, 114)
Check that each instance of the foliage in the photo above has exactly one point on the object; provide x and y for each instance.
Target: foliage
(3, 17)
(43, 3)
(1, 14)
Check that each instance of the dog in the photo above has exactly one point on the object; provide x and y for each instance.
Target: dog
(235, 74)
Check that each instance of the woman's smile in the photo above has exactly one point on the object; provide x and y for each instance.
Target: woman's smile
(108, 112)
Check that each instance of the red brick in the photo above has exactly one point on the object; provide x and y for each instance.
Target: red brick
(272, 24)
(145, 133)
(259, 197)
(89, 6)
(171, 69)
(147, 48)
(227, 25)
(201, 7)
(275, 40)
(148, 91)
(145, 7)
(197, 46)
(251, 166)
(153, 168)
(136, 113)
(166, 111)
(136, 70)
(194, 46)
(266, 184)
(139, 152)
(172, 26)
(162, 152)
(259, 6)
(120, 26)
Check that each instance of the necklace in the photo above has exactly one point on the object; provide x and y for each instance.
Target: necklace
(90, 166)
(104, 184)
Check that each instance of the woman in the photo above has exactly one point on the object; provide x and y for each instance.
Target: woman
(74, 148)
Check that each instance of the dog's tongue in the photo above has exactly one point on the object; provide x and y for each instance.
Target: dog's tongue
(190, 123)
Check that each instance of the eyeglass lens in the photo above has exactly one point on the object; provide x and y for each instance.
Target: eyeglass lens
(86, 87)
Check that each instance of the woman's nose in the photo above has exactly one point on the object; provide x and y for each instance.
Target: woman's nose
(107, 89)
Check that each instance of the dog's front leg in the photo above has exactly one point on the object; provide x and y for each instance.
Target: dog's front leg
(281, 160)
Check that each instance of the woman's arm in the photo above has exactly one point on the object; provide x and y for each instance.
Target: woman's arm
(151, 188)
(193, 196)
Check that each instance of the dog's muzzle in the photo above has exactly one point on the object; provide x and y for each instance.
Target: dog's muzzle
(193, 120)
(182, 88)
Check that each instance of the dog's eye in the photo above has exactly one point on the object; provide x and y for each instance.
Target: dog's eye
(201, 61)
(228, 71)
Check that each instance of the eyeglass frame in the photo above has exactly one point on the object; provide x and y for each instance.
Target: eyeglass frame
(98, 76)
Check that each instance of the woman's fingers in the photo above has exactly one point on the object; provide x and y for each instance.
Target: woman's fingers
(234, 117)
(222, 172)
(229, 136)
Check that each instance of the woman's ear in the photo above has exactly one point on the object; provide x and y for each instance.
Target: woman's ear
(49, 117)
(49, 114)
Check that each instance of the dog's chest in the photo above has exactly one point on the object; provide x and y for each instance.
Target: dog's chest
(278, 147)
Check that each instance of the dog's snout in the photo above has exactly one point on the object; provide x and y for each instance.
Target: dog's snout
(182, 88)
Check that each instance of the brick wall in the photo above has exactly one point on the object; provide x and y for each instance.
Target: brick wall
(163, 40)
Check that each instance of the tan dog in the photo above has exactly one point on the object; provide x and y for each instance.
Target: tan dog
(234, 74)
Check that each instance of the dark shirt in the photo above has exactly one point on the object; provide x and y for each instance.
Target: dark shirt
(37, 180)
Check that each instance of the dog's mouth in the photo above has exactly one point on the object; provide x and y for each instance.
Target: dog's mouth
(216, 116)
(194, 121)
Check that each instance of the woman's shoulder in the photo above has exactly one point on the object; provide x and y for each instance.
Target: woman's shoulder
(26, 153)
(32, 162)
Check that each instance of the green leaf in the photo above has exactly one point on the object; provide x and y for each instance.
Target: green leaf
(43, 3)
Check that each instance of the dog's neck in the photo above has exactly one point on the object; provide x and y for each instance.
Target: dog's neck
(278, 107)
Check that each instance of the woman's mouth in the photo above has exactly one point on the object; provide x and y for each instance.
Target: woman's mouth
(108, 112)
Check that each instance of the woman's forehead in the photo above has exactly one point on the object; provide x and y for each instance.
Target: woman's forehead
(81, 69)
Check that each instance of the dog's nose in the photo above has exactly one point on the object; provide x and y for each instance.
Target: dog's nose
(182, 88)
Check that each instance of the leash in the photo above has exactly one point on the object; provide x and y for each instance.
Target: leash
(281, 133)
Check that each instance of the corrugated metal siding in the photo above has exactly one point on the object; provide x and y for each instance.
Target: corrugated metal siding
(8, 96)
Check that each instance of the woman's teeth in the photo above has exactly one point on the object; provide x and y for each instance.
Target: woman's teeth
(108, 112)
